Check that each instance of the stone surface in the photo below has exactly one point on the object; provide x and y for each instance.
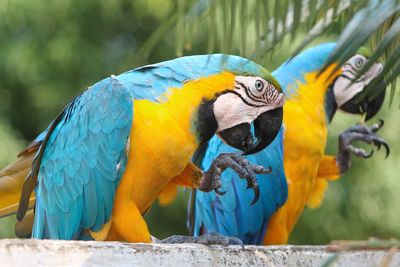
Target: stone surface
(14, 252)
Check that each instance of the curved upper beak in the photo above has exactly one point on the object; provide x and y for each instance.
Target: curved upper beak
(266, 128)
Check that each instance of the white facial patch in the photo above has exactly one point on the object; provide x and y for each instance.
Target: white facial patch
(343, 89)
(251, 97)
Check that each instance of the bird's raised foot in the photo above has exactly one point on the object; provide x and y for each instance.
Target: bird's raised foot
(361, 133)
(212, 177)
(206, 239)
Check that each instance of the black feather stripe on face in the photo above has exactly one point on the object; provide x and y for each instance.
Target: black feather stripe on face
(205, 124)
(245, 101)
(250, 94)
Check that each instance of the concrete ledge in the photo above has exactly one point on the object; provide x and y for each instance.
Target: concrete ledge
(14, 252)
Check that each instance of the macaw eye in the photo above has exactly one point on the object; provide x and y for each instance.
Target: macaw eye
(259, 85)
(359, 62)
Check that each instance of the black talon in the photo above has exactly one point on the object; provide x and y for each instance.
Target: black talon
(380, 124)
(387, 148)
(221, 193)
(366, 156)
(211, 178)
(256, 194)
(252, 183)
(378, 145)
(249, 183)
(362, 133)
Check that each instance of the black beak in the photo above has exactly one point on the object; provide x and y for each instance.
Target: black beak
(266, 127)
(375, 104)
(239, 136)
(369, 104)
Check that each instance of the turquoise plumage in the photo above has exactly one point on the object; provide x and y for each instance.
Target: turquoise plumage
(83, 162)
(232, 214)
(82, 154)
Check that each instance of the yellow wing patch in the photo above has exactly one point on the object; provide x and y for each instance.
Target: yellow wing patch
(168, 194)
(317, 194)
(102, 234)
(181, 103)
(161, 148)
(12, 177)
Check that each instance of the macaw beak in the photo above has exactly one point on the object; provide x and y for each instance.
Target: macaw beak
(239, 136)
(369, 106)
(374, 105)
(266, 127)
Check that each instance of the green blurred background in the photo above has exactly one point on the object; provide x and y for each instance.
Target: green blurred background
(52, 50)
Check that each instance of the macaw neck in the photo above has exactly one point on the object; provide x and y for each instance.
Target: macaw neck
(330, 103)
(317, 91)
(191, 105)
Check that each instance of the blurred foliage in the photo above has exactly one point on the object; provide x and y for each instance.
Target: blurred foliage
(230, 26)
(52, 50)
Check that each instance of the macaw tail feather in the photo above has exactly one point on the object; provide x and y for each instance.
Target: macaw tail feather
(12, 178)
(23, 229)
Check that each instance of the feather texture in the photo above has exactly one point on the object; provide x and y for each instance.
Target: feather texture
(77, 177)
(11, 179)
(232, 214)
(82, 155)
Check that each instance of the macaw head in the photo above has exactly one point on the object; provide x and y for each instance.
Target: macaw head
(257, 100)
(350, 97)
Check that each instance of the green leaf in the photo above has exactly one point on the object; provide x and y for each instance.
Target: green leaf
(391, 34)
(360, 28)
(180, 29)
(320, 26)
(297, 6)
(363, 22)
(243, 24)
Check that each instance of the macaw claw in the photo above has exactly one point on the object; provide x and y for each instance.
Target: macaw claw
(221, 193)
(362, 133)
(206, 239)
(212, 177)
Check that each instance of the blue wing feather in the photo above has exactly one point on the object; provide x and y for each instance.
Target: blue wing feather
(78, 171)
(151, 81)
(234, 213)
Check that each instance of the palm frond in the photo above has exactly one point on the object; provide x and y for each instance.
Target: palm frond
(376, 19)
(323, 23)
(233, 25)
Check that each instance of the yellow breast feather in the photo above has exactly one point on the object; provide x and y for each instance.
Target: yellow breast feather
(304, 145)
(162, 143)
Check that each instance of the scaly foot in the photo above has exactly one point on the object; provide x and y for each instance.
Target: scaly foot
(207, 239)
(212, 178)
(363, 133)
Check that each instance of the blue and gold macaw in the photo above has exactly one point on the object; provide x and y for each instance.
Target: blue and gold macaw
(129, 139)
(300, 169)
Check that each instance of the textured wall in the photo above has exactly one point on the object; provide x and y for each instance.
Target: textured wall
(72, 253)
